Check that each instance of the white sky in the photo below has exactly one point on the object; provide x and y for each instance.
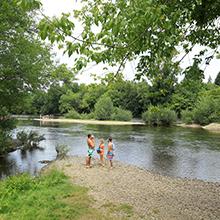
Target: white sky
(56, 7)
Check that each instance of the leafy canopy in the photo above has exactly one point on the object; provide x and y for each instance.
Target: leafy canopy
(148, 31)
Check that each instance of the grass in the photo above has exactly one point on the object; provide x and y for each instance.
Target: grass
(125, 209)
(51, 197)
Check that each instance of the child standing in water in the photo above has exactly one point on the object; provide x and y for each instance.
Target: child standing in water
(101, 151)
(110, 153)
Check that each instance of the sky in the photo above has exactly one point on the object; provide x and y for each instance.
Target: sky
(56, 7)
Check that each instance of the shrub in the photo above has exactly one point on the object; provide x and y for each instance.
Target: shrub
(6, 125)
(159, 116)
(207, 110)
(121, 115)
(29, 140)
(72, 114)
(88, 116)
(103, 108)
(187, 116)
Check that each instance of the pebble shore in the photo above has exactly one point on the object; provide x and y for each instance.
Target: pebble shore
(152, 196)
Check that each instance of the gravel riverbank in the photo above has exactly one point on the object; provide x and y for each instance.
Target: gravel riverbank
(152, 196)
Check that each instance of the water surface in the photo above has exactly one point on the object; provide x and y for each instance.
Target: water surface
(175, 151)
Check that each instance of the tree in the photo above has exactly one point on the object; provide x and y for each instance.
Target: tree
(24, 60)
(148, 31)
(103, 108)
(217, 79)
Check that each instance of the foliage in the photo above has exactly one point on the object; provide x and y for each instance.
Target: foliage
(73, 114)
(62, 150)
(208, 107)
(217, 79)
(162, 88)
(121, 115)
(187, 116)
(156, 115)
(28, 141)
(103, 108)
(6, 125)
(88, 116)
(147, 31)
(49, 196)
(92, 94)
(24, 58)
(207, 111)
(72, 98)
(186, 95)
(128, 95)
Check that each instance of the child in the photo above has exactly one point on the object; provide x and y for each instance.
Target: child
(110, 153)
(101, 151)
(91, 147)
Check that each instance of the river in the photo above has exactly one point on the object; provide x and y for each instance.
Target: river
(173, 151)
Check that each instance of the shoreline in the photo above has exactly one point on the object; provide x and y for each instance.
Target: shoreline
(151, 195)
(80, 121)
(212, 127)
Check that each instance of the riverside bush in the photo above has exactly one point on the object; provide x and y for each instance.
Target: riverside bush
(121, 115)
(103, 108)
(187, 116)
(73, 114)
(159, 116)
(207, 111)
(87, 116)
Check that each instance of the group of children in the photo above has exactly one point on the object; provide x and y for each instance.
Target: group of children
(100, 150)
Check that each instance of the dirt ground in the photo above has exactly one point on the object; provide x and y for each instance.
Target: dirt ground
(152, 196)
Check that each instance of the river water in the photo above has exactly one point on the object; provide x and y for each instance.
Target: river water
(173, 151)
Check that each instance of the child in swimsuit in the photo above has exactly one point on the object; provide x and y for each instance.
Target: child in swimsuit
(91, 149)
(101, 151)
(110, 153)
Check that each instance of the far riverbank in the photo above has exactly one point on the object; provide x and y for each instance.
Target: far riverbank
(215, 127)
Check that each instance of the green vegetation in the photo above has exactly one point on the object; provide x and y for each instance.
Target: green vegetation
(159, 116)
(103, 108)
(217, 79)
(28, 141)
(124, 209)
(121, 115)
(30, 83)
(206, 110)
(51, 196)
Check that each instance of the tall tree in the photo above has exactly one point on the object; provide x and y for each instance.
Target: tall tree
(24, 59)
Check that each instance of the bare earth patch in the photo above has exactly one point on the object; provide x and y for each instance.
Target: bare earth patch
(152, 196)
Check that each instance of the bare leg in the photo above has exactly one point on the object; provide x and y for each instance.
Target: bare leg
(87, 162)
(111, 164)
(102, 159)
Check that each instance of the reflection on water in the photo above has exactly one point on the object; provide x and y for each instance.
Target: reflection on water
(175, 151)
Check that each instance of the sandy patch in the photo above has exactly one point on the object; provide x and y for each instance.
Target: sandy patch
(152, 196)
(189, 125)
(212, 127)
(79, 121)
